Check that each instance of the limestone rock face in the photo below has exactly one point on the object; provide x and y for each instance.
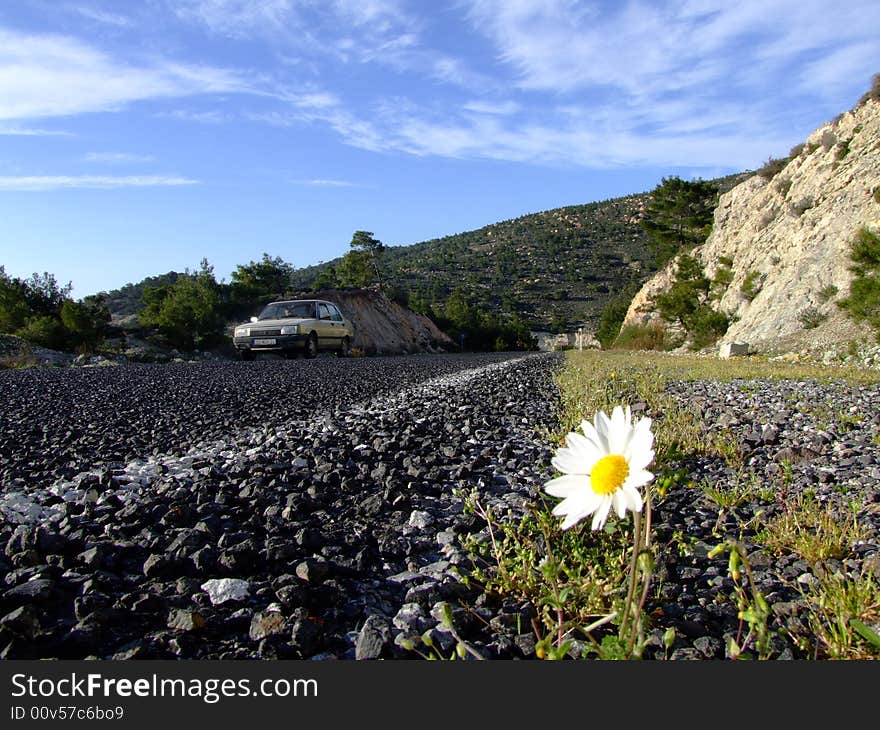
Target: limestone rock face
(790, 237)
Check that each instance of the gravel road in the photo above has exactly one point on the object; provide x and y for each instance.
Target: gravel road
(323, 489)
(311, 508)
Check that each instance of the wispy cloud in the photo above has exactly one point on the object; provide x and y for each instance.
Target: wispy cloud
(100, 16)
(51, 75)
(57, 182)
(649, 49)
(32, 132)
(116, 158)
(211, 116)
(325, 183)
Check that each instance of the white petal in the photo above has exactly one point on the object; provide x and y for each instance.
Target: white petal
(602, 513)
(633, 498)
(585, 449)
(620, 502)
(638, 478)
(575, 508)
(603, 430)
(594, 437)
(640, 445)
(620, 431)
(567, 462)
(564, 486)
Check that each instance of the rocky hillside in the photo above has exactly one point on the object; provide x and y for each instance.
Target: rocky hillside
(384, 327)
(781, 241)
(556, 269)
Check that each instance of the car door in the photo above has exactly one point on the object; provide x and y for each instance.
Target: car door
(328, 331)
(342, 328)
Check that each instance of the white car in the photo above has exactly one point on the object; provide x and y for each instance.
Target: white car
(306, 326)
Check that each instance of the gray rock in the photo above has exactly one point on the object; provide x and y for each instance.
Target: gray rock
(374, 638)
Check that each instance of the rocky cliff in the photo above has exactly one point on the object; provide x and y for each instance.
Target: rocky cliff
(783, 240)
(384, 327)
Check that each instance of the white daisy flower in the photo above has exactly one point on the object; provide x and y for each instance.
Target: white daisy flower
(603, 468)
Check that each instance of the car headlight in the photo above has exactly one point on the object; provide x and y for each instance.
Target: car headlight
(290, 329)
(242, 332)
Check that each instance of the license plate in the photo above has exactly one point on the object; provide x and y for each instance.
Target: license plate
(264, 341)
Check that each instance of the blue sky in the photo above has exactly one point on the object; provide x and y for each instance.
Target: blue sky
(139, 136)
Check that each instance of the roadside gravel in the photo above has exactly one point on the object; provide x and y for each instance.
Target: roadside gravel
(312, 509)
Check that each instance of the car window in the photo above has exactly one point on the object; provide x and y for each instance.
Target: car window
(303, 310)
(323, 312)
(334, 313)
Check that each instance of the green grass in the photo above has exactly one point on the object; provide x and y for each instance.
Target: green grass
(746, 489)
(812, 530)
(570, 577)
(842, 616)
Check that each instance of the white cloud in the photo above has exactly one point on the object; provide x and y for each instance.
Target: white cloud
(651, 48)
(492, 107)
(57, 182)
(32, 132)
(116, 158)
(325, 183)
(101, 16)
(239, 18)
(212, 116)
(50, 75)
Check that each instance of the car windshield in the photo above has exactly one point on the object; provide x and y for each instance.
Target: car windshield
(289, 310)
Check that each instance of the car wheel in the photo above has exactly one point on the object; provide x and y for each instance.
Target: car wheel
(312, 346)
(345, 347)
(246, 355)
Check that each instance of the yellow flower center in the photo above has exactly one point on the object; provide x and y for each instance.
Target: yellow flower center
(608, 474)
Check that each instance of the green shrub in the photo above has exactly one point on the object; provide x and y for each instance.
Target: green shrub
(751, 285)
(706, 326)
(725, 261)
(643, 337)
(842, 149)
(772, 167)
(863, 302)
(45, 331)
(827, 292)
(811, 318)
(721, 280)
(783, 185)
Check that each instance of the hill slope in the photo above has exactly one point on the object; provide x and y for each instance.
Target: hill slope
(556, 268)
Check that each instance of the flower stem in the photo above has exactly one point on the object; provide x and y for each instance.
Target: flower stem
(631, 591)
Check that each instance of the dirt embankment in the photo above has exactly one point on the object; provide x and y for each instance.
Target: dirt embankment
(384, 327)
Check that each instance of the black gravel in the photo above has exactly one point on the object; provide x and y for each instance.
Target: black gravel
(327, 494)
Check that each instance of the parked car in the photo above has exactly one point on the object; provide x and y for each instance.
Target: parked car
(305, 326)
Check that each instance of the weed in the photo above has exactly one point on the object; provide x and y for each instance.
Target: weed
(839, 611)
(812, 530)
(811, 317)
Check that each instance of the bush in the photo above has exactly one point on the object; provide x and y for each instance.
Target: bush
(863, 302)
(643, 337)
(772, 167)
(783, 185)
(613, 314)
(706, 326)
(811, 318)
(45, 331)
(751, 285)
(827, 292)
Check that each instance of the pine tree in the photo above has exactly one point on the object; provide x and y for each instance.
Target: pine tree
(679, 216)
